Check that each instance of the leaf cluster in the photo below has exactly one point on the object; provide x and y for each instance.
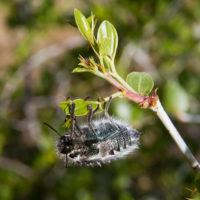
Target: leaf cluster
(104, 46)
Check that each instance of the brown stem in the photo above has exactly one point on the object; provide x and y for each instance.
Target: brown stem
(115, 83)
(143, 101)
(135, 97)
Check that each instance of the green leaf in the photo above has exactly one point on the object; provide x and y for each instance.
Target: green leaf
(89, 19)
(83, 25)
(80, 69)
(107, 39)
(107, 62)
(141, 82)
(81, 106)
(175, 98)
(92, 21)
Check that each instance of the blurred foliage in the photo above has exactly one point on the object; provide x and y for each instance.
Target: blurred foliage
(39, 49)
(175, 98)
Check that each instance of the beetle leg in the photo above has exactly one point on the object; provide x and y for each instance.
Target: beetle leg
(90, 113)
(96, 109)
(73, 118)
(118, 143)
(78, 127)
(107, 114)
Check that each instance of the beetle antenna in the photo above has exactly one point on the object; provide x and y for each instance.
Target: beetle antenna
(53, 129)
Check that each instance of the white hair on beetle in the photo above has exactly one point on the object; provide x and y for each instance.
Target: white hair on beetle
(115, 140)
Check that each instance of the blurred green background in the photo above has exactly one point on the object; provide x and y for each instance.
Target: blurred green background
(39, 47)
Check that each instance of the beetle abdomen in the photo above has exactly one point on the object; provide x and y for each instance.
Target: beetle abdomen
(111, 141)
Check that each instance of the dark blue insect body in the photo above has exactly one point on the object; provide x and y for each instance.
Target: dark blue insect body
(111, 141)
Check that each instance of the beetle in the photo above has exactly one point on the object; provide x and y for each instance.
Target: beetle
(98, 141)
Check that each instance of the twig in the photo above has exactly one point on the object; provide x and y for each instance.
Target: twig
(160, 112)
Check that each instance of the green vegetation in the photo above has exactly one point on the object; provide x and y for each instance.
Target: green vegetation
(39, 49)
